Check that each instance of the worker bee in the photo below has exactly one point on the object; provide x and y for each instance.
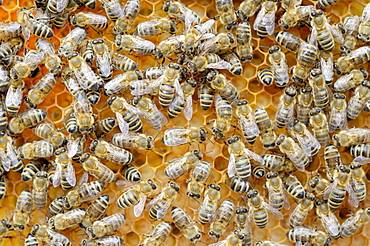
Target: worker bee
(36, 149)
(48, 132)
(240, 162)
(350, 28)
(353, 223)
(225, 9)
(244, 47)
(357, 177)
(13, 98)
(279, 65)
(198, 178)
(95, 168)
(307, 141)
(23, 69)
(67, 219)
(10, 48)
(357, 102)
(4, 78)
(248, 8)
(106, 225)
(236, 66)
(307, 55)
(56, 206)
(106, 240)
(95, 211)
(131, 173)
(32, 24)
(135, 43)
(44, 234)
(351, 80)
(208, 61)
(277, 197)
(40, 90)
(359, 150)
(110, 152)
(232, 239)
(258, 209)
(222, 123)
(104, 127)
(328, 219)
(299, 74)
(246, 121)
(320, 126)
(277, 163)
(85, 19)
(350, 137)
(64, 173)
(40, 190)
(265, 21)
(160, 205)
(180, 12)
(209, 205)
(9, 159)
(225, 88)
(289, 41)
(155, 27)
(268, 134)
(136, 195)
(219, 44)
(31, 168)
(354, 59)
(179, 166)
(10, 60)
(269, 243)
(206, 95)
(294, 187)
(186, 104)
(180, 136)
(295, 15)
(5, 228)
(242, 225)
(169, 46)
(103, 58)
(70, 42)
(10, 30)
(158, 235)
(130, 11)
(52, 62)
(319, 185)
(113, 9)
(338, 112)
(301, 211)
(327, 66)
(146, 108)
(238, 185)
(306, 235)
(323, 32)
(286, 105)
(293, 151)
(184, 223)
(363, 29)
(123, 81)
(26, 119)
(22, 211)
(266, 76)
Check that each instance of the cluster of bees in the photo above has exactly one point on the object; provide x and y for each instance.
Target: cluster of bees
(193, 59)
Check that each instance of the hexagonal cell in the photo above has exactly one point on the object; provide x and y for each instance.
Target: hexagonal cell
(64, 100)
(221, 164)
(132, 239)
(356, 8)
(141, 226)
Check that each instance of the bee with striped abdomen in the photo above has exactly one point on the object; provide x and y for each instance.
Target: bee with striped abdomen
(293, 151)
(264, 24)
(320, 126)
(357, 102)
(155, 27)
(306, 235)
(146, 108)
(208, 207)
(328, 219)
(338, 112)
(95, 168)
(354, 59)
(158, 235)
(301, 211)
(277, 197)
(130, 11)
(198, 178)
(132, 174)
(350, 137)
(183, 104)
(279, 66)
(354, 222)
(184, 223)
(364, 27)
(351, 80)
(106, 225)
(244, 48)
(266, 76)
(264, 123)
(40, 90)
(248, 8)
(294, 187)
(26, 119)
(44, 234)
(103, 58)
(225, 88)
(246, 121)
(104, 127)
(95, 211)
(36, 149)
(55, 207)
(48, 132)
(139, 45)
(110, 152)
(86, 19)
(307, 141)
(276, 163)
(179, 166)
(180, 136)
(67, 219)
(23, 208)
(286, 105)
(40, 190)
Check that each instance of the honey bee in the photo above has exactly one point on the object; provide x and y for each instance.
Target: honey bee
(180, 12)
(301, 211)
(65, 173)
(31, 24)
(268, 134)
(225, 9)
(266, 76)
(248, 8)
(351, 80)
(221, 124)
(70, 42)
(209, 205)
(9, 159)
(246, 121)
(160, 205)
(11, 60)
(258, 209)
(319, 185)
(279, 65)
(104, 127)
(357, 102)
(265, 21)
(239, 161)
(238, 185)
(307, 55)
(184, 223)
(243, 225)
(323, 32)
(5, 228)
(236, 66)
(327, 66)
(135, 43)
(180, 136)
(268, 243)
(286, 105)
(113, 9)
(225, 88)
(208, 61)
(350, 27)
(136, 196)
(48, 132)
(353, 223)
(52, 62)
(357, 177)
(67, 219)
(55, 207)
(320, 126)
(132, 174)
(231, 240)
(13, 98)
(23, 69)
(359, 150)
(40, 90)
(186, 104)
(338, 112)
(179, 166)
(244, 48)
(294, 187)
(4, 78)
(146, 108)
(289, 41)
(169, 46)
(306, 235)
(295, 15)
(158, 235)
(40, 190)
(95, 168)
(106, 240)
(122, 81)
(354, 59)
(155, 27)
(277, 197)
(36, 149)
(60, 19)
(206, 95)
(328, 219)
(10, 48)
(3, 185)
(326, 3)
(95, 211)
(293, 151)
(219, 44)
(26, 119)
(30, 170)
(350, 137)
(110, 152)
(106, 225)
(10, 30)
(85, 19)
(277, 163)
(130, 11)
(44, 234)
(22, 211)
(307, 141)
(198, 178)
(103, 58)
(364, 29)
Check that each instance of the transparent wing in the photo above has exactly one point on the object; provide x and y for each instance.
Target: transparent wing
(4, 160)
(164, 120)
(104, 63)
(155, 83)
(361, 160)
(133, 109)
(205, 27)
(352, 198)
(248, 126)
(122, 124)
(276, 213)
(83, 179)
(336, 34)
(286, 201)
(178, 88)
(365, 17)
(181, 136)
(259, 18)
(44, 46)
(71, 177)
(139, 208)
(331, 224)
(115, 8)
(219, 65)
(231, 167)
(34, 58)
(162, 211)
(348, 223)
(14, 96)
(55, 238)
(124, 184)
(155, 200)
(328, 189)
(61, 4)
(188, 110)
(72, 147)
(140, 43)
(94, 18)
(339, 85)
(269, 22)
(327, 68)
(190, 18)
(254, 156)
(56, 178)
(313, 37)
(220, 243)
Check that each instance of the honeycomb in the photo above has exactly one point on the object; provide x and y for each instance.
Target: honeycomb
(149, 163)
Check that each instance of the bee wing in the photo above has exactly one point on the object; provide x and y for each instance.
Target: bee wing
(286, 201)
(254, 156)
(348, 223)
(328, 189)
(104, 63)
(155, 83)
(162, 211)
(155, 200)
(178, 88)
(133, 109)
(124, 184)
(327, 68)
(164, 120)
(220, 243)
(205, 27)
(45, 46)
(138, 88)
(61, 4)
(336, 34)
(139, 208)
(259, 18)
(95, 18)
(231, 167)
(122, 124)
(71, 177)
(33, 59)
(361, 160)
(313, 37)
(342, 80)
(189, 20)
(56, 177)
(140, 43)
(72, 147)
(275, 212)
(188, 110)
(269, 22)
(208, 45)
(14, 96)
(54, 238)
(331, 224)
(5, 159)
(219, 65)
(305, 144)
(248, 126)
